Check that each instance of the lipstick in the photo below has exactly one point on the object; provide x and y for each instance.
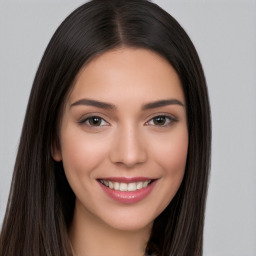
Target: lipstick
(127, 190)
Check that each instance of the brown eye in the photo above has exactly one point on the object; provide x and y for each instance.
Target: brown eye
(159, 120)
(94, 121)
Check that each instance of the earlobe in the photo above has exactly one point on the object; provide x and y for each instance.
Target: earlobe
(56, 152)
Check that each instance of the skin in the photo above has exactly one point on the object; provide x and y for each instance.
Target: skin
(128, 141)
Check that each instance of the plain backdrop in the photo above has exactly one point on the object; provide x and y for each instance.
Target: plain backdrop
(224, 33)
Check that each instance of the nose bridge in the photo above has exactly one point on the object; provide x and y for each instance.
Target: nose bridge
(128, 148)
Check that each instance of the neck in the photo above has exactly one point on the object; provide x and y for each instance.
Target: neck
(91, 236)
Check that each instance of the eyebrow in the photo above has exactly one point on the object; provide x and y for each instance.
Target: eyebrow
(109, 106)
(94, 103)
(162, 103)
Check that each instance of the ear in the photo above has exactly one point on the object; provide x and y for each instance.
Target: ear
(56, 151)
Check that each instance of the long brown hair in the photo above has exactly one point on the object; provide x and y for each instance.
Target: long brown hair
(41, 202)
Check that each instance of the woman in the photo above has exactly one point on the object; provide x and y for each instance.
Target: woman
(115, 148)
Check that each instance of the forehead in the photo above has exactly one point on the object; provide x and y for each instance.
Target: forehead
(127, 73)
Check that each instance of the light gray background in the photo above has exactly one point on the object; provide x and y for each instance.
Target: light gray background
(224, 33)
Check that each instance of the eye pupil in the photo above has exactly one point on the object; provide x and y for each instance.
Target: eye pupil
(95, 121)
(159, 120)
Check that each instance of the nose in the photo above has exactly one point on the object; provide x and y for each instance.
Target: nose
(128, 148)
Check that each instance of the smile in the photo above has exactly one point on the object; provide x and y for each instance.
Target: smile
(121, 186)
(127, 190)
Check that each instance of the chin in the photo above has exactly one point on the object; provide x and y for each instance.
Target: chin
(129, 220)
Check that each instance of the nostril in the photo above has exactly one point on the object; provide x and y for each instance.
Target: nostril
(128, 148)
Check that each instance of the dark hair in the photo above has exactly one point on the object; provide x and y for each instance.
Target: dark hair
(41, 202)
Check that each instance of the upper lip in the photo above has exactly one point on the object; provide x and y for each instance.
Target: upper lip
(126, 179)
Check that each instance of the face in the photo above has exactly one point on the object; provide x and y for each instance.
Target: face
(124, 138)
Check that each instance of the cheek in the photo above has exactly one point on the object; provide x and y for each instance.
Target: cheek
(171, 155)
(81, 153)
(176, 157)
(168, 156)
(171, 152)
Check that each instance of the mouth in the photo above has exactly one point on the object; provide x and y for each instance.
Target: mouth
(127, 190)
(126, 186)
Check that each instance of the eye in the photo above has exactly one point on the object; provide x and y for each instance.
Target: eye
(161, 120)
(95, 121)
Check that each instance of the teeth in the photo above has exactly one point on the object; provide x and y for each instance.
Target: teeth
(105, 182)
(125, 186)
(139, 185)
(116, 186)
(131, 187)
(110, 185)
(145, 184)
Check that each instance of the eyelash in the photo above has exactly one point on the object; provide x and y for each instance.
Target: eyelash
(90, 118)
(168, 120)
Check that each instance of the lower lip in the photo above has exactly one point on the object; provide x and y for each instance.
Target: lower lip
(128, 197)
